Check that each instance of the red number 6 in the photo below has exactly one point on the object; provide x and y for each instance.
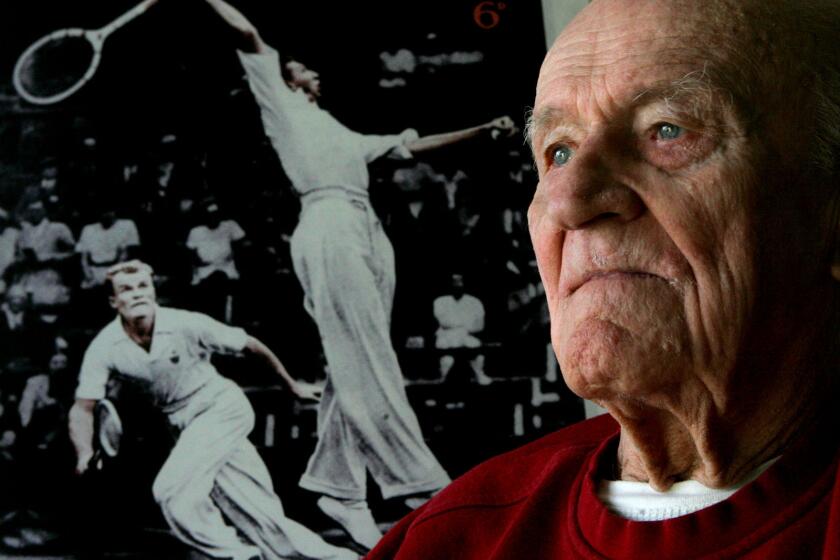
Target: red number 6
(485, 16)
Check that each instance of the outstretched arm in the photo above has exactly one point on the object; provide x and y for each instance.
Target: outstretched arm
(81, 432)
(503, 125)
(305, 391)
(251, 40)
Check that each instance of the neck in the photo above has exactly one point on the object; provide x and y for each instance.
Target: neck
(716, 428)
(719, 443)
(662, 447)
(140, 329)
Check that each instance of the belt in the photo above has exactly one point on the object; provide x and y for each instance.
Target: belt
(344, 193)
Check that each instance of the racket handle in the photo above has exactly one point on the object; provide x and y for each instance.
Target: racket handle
(95, 461)
(137, 10)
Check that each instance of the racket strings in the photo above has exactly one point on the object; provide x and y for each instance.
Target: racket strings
(56, 66)
(110, 439)
(109, 429)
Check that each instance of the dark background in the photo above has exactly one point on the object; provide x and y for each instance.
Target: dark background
(174, 72)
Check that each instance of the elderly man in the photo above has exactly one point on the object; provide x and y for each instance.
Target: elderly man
(684, 224)
(213, 468)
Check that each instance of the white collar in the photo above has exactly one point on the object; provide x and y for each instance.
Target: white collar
(638, 501)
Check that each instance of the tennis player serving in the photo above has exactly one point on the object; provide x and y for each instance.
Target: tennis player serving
(345, 263)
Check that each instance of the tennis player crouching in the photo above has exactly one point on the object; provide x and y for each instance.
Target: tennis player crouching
(168, 352)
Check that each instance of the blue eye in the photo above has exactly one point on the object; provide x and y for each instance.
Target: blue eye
(561, 155)
(668, 131)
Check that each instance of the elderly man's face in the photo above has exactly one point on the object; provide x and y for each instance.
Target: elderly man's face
(653, 219)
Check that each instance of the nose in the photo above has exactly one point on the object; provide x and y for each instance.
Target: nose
(589, 189)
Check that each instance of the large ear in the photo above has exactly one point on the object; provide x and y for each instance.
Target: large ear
(112, 301)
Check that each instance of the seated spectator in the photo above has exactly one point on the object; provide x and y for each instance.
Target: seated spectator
(43, 239)
(460, 317)
(35, 396)
(25, 341)
(41, 411)
(43, 247)
(46, 190)
(15, 327)
(13, 311)
(9, 235)
(102, 244)
(213, 245)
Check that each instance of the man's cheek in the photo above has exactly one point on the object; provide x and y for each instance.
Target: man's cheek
(548, 247)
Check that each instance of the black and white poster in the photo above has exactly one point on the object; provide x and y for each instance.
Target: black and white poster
(363, 171)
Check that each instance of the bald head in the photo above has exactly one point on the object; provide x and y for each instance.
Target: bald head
(770, 59)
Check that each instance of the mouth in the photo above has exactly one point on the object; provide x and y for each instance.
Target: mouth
(598, 275)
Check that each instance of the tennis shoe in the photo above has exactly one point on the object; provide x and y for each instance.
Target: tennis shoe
(354, 517)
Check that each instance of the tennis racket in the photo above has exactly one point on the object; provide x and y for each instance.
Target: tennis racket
(109, 431)
(58, 64)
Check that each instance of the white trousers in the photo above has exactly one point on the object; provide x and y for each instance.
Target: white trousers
(214, 469)
(345, 264)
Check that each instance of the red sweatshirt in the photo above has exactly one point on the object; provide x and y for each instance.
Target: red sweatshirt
(540, 502)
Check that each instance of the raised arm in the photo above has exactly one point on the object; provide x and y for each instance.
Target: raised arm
(301, 390)
(503, 126)
(81, 432)
(251, 40)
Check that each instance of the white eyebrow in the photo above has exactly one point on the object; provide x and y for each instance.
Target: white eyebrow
(691, 93)
(545, 118)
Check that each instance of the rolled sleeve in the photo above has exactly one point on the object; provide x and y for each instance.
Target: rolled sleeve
(392, 145)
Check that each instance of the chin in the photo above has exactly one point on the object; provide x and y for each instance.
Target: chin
(139, 312)
(621, 349)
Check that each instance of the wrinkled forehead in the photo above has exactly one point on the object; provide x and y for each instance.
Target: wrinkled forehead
(615, 50)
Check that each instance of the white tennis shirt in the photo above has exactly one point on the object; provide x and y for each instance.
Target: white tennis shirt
(104, 246)
(316, 150)
(215, 249)
(177, 364)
